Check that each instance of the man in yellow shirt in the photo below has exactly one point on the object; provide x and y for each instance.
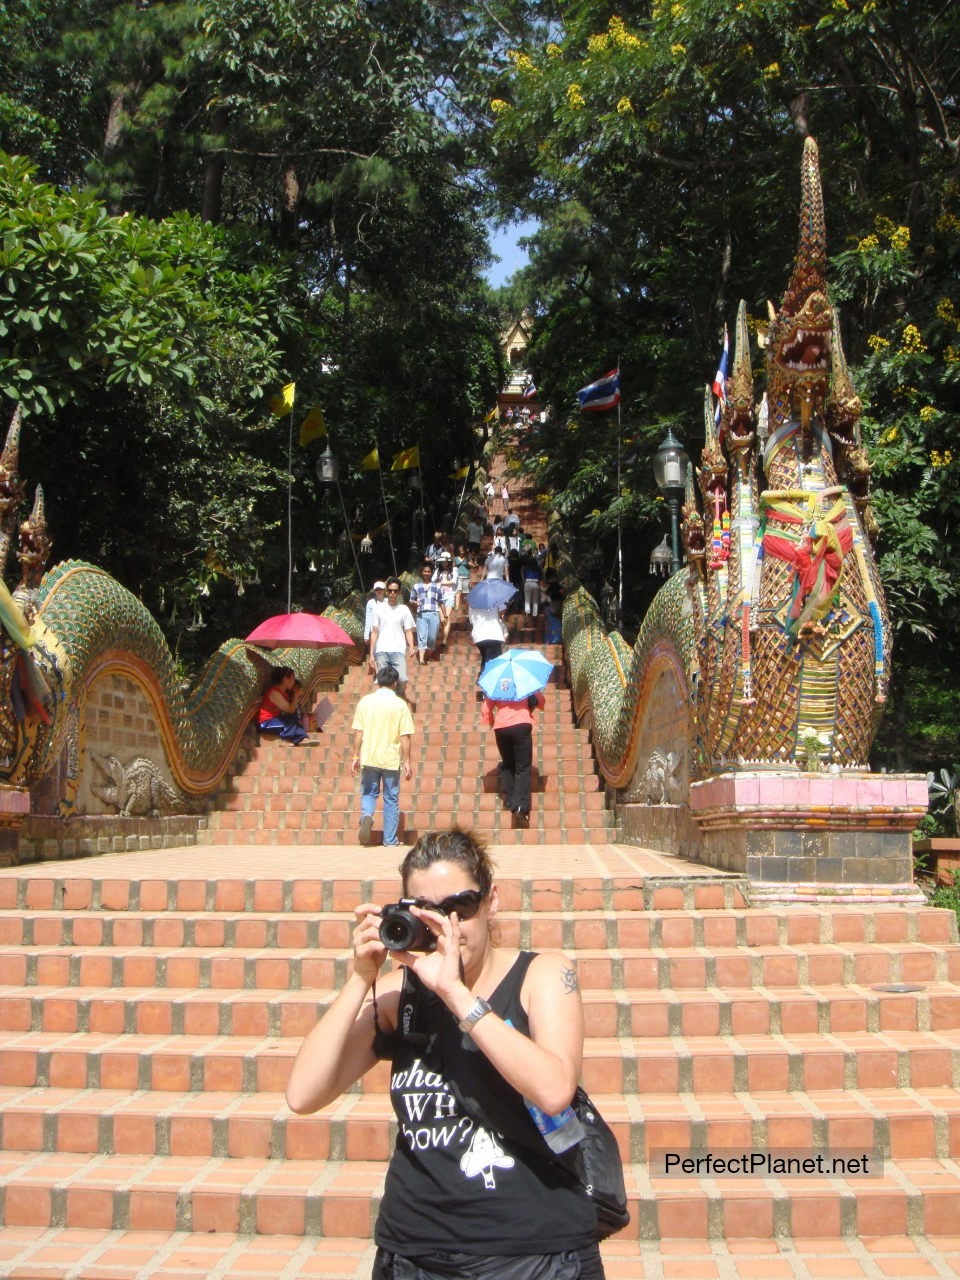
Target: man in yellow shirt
(382, 730)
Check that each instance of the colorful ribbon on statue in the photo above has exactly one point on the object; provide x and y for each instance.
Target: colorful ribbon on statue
(815, 545)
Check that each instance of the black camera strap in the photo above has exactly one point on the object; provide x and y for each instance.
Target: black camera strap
(408, 1010)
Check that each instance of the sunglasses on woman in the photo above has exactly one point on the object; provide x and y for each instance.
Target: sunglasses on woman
(466, 904)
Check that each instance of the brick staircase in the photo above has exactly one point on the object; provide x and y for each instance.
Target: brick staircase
(151, 1006)
(306, 795)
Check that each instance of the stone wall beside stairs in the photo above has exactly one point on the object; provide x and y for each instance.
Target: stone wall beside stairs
(667, 827)
(49, 838)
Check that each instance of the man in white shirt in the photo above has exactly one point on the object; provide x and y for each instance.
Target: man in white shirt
(393, 633)
(474, 534)
(378, 597)
(486, 632)
(496, 563)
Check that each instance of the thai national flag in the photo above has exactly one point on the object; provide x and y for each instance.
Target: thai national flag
(720, 377)
(529, 391)
(602, 394)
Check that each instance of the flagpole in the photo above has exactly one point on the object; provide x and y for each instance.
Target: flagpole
(290, 510)
(386, 511)
(346, 525)
(463, 494)
(423, 518)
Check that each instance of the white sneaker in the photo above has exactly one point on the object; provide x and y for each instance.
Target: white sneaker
(366, 828)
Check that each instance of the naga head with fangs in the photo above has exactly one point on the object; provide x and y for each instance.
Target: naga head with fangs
(800, 336)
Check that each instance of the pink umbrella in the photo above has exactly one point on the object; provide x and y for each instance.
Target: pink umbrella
(298, 631)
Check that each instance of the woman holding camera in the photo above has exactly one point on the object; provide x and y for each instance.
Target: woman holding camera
(488, 1037)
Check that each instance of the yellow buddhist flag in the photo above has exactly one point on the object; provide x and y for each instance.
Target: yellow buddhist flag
(371, 462)
(492, 414)
(461, 474)
(282, 404)
(406, 458)
(314, 426)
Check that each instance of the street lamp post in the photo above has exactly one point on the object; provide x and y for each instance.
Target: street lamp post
(327, 473)
(670, 464)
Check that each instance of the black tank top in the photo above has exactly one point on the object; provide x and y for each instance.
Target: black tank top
(452, 1184)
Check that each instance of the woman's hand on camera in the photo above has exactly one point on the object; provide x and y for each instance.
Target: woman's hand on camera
(438, 970)
(369, 952)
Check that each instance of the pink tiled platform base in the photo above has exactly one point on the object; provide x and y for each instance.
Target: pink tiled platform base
(14, 803)
(803, 836)
(890, 799)
(822, 893)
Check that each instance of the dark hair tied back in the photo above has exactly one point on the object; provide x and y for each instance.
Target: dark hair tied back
(463, 848)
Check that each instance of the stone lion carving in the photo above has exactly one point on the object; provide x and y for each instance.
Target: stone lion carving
(137, 789)
(657, 783)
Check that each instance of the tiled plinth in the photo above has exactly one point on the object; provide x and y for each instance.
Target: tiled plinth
(849, 833)
(659, 826)
(14, 807)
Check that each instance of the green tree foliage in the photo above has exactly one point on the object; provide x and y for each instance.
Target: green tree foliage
(909, 378)
(245, 193)
(140, 352)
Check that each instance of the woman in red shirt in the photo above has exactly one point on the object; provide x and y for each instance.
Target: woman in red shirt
(279, 712)
(513, 728)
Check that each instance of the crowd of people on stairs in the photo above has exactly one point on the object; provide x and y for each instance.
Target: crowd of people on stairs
(398, 632)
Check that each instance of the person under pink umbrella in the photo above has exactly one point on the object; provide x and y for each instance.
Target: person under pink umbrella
(278, 711)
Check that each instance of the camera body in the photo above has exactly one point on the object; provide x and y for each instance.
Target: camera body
(401, 930)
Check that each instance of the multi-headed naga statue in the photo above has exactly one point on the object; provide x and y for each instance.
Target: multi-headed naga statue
(776, 633)
(790, 622)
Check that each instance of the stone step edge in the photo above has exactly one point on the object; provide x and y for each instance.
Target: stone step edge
(715, 1208)
(224, 1012)
(350, 1258)
(742, 927)
(290, 837)
(300, 968)
(28, 889)
(177, 1127)
(655, 1067)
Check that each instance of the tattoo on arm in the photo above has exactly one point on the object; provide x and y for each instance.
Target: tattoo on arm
(569, 979)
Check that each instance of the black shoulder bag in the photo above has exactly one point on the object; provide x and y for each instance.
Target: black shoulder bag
(594, 1161)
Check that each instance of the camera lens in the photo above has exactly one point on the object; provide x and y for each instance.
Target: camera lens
(400, 931)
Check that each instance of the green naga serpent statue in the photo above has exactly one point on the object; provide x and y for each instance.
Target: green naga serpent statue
(65, 633)
(772, 647)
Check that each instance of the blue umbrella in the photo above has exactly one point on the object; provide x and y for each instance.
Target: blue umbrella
(515, 675)
(491, 593)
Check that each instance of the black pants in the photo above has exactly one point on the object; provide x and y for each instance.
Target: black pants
(584, 1264)
(515, 745)
(489, 649)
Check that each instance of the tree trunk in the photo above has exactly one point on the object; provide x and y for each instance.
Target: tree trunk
(111, 134)
(290, 208)
(212, 207)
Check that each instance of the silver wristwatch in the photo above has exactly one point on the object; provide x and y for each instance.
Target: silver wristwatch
(478, 1009)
